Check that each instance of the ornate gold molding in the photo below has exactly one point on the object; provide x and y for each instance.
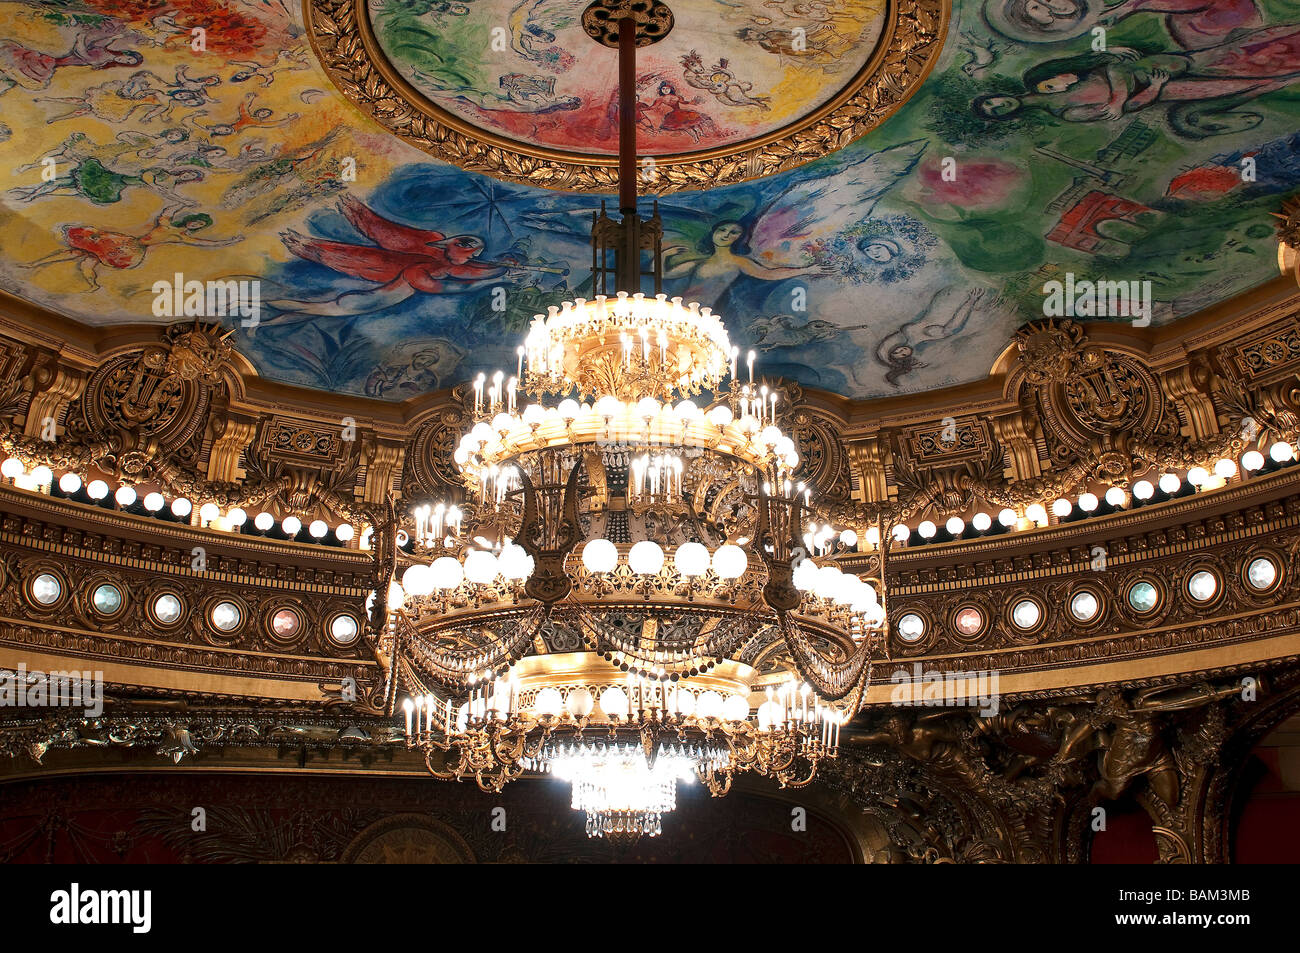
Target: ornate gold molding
(342, 38)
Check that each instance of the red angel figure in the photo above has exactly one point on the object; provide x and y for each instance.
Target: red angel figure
(406, 260)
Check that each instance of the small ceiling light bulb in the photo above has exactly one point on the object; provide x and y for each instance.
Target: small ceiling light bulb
(69, 483)
(1036, 513)
(237, 516)
(1115, 496)
(43, 475)
(1007, 517)
(264, 521)
(1198, 477)
(981, 521)
(153, 502)
(1169, 483)
(1252, 460)
(124, 496)
(344, 532)
(1223, 467)
(208, 512)
(901, 533)
(12, 467)
(182, 507)
(291, 525)
(97, 489)
(318, 529)
(1281, 452)
(1062, 507)
(955, 526)
(1088, 502)
(927, 530)
(1143, 489)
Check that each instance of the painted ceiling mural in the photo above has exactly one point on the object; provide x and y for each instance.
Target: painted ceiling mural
(730, 70)
(131, 156)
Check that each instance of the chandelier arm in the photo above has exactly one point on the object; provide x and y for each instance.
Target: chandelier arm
(786, 782)
(451, 775)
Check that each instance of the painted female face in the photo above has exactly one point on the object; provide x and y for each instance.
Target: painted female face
(665, 89)
(726, 235)
(1057, 84)
(877, 251)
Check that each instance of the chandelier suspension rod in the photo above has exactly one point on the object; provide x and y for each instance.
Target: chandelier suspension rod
(627, 116)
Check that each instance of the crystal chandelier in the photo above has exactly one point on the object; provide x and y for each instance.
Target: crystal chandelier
(632, 590)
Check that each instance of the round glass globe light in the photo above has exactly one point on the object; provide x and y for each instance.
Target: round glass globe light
(579, 703)
(480, 566)
(599, 556)
(730, 561)
(515, 562)
(691, 559)
(447, 573)
(735, 708)
(613, 701)
(709, 704)
(418, 580)
(549, 701)
(646, 558)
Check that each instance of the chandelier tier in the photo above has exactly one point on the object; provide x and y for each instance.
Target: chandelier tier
(631, 590)
(623, 742)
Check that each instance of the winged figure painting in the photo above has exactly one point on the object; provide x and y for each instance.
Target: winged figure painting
(712, 248)
(402, 262)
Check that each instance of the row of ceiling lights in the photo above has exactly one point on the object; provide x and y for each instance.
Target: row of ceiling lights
(1144, 492)
(70, 486)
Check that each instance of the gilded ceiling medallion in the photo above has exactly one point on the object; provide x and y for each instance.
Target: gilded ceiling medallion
(733, 92)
